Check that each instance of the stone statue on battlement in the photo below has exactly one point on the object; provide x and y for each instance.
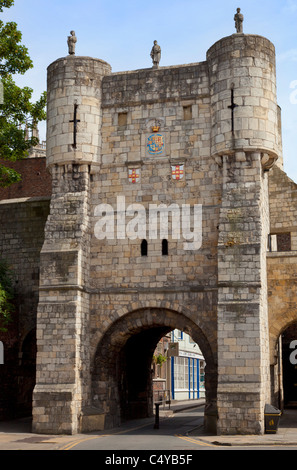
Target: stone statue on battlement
(156, 54)
(238, 18)
(71, 41)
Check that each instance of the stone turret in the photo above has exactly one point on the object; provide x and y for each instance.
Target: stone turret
(73, 146)
(245, 142)
(74, 110)
(243, 87)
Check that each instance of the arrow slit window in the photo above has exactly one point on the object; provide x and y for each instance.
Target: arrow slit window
(164, 247)
(143, 248)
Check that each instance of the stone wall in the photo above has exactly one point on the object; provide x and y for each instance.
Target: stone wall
(242, 76)
(22, 236)
(243, 363)
(244, 65)
(282, 203)
(63, 311)
(124, 148)
(282, 264)
(175, 100)
(74, 81)
(100, 291)
(21, 239)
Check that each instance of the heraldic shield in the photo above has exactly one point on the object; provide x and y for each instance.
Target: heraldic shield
(134, 175)
(155, 144)
(177, 172)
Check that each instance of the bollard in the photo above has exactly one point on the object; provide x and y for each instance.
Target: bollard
(156, 426)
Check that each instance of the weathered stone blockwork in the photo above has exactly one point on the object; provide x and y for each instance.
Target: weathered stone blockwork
(104, 301)
(21, 239)
(281, 266)
(22, 235)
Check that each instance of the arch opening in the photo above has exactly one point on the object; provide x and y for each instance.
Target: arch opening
(122, 385)
(289, 366)
(135, 384)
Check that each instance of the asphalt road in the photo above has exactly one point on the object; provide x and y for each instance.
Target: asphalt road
(180, 435)
(171, 435)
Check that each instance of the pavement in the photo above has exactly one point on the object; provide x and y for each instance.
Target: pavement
(17, 435)
(286, 434)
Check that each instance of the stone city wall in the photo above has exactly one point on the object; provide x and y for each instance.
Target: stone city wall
(21, 239)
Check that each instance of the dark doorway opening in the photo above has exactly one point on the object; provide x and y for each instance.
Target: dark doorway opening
(135, 367)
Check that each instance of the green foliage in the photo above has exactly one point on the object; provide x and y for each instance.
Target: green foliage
(8, 176)
(17, 112)
(6, 295)
(160, 359)
(5, 3)
(14, 57)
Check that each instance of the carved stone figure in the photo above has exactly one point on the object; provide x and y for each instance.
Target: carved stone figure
(71, 41)
(238, 18)
(156, 54)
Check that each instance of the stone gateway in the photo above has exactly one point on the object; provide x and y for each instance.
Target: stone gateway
(204, 134)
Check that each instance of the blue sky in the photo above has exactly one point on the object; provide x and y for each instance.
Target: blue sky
(122, 32)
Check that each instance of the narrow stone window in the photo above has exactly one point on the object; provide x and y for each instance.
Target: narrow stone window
(164, 247)
(187, 113)
(144, 248)
(283, 241)
(122, 119)
(279, 242)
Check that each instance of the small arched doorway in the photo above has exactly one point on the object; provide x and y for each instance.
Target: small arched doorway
(122, 373)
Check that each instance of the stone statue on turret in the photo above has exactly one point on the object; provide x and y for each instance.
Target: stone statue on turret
(156, 54)
(238, 18)
(71, 41)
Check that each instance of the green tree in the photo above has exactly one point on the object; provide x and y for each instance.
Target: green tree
(17, 112)
(6, 296)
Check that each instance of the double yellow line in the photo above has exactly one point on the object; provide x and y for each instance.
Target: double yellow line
(185, 438)
(73, 444)
(194, 441)
(180, 436)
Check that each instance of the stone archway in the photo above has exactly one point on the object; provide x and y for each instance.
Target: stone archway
(283, 361)
(121, 374)
(289, 361)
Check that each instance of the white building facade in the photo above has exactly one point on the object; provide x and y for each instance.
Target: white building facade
(186, 369)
